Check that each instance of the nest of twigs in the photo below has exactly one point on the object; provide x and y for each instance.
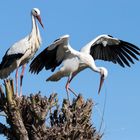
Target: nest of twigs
(26, 117)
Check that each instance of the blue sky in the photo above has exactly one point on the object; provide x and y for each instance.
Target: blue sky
(83, 21)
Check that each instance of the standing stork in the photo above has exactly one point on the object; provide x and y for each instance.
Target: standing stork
(103, 47)
(22, 51)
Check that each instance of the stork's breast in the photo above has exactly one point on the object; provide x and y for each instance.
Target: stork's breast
(35, 45)
(71, 64)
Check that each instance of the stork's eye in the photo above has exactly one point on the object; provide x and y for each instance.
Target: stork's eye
(35, 11)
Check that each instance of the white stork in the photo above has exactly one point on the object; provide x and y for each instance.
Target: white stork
(22, 51)
(103, 47)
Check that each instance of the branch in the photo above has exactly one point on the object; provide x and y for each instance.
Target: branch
(13, 113)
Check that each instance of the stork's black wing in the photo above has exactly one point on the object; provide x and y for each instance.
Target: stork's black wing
(51, 57)
(9, 59)
(107, 48)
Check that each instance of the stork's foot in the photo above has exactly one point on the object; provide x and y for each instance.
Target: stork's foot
(20, 94)
(67, 91)
(16, 94)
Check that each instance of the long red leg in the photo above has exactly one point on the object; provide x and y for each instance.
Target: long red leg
(68, 85)
(21, 78)
(67, 88)
(70, 81)
(16, 78)
(72, 91)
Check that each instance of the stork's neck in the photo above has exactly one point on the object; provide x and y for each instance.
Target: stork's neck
(95, 68)
(102, 70)
(88, 60)
(35, 29)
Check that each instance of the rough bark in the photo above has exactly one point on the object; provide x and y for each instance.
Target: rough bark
(40, 118)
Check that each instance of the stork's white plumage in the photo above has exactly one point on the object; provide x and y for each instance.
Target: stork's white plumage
(22, 51)
(103, 47)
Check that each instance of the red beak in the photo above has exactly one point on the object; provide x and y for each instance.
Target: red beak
(101, 83)
(40, 21)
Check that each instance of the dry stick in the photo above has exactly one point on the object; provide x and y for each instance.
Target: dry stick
(1, 93)
(102, 119)
(14, 114)
(8, 91)
(74, 121)
(12, 86)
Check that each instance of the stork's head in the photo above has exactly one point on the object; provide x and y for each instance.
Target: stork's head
(104, 74)
(36, 14)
